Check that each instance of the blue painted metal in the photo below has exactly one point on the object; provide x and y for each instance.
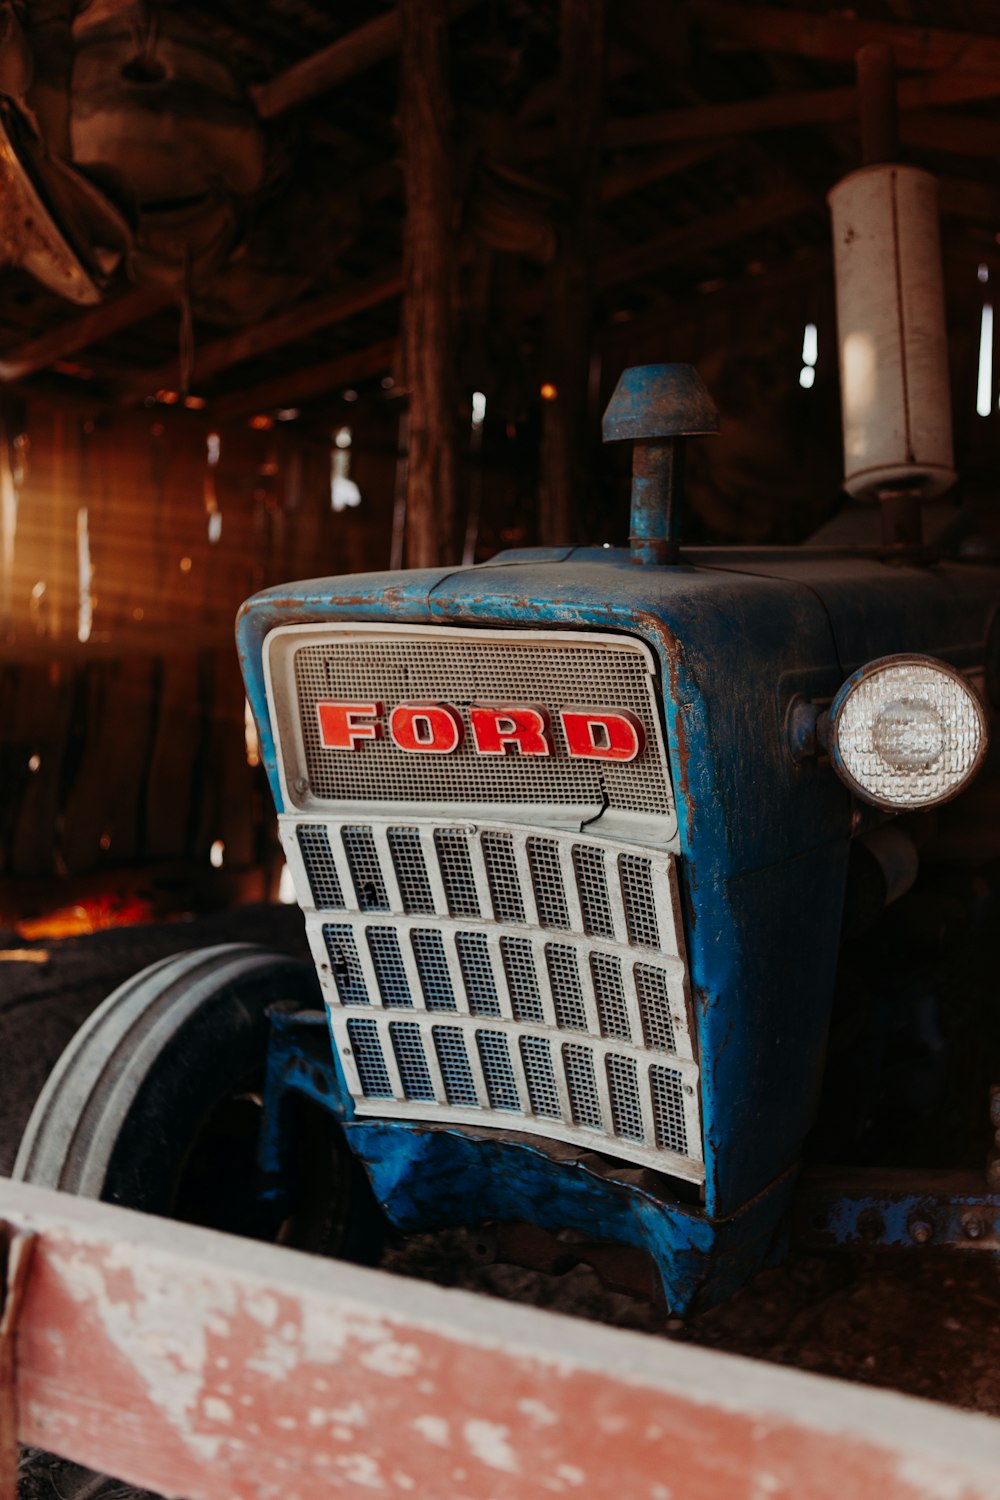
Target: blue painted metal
(433, 1178)
(905, 1210)
(655, 406)
(738, 636)
(659, 401)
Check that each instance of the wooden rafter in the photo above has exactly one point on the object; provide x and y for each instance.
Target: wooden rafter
(274, 333)
(683, 241)
(349, 55)
(307, 383)
(780, 111)
(76, 334)
(728, 27)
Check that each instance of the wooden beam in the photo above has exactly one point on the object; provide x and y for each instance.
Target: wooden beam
(349, 55)
(430, 327)
(729, 27)
(307, 382)
(959, 135)
(568, 432)
(639, 172)
(781, 111)
(961, 199)
(689, 240)
(76, 334)
(191, 1363)
(274, 333)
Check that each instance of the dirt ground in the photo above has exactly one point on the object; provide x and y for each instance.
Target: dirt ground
(929, 1327)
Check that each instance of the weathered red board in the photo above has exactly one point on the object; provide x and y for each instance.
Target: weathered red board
(199, 1365)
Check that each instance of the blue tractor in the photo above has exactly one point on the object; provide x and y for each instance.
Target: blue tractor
(583, 837)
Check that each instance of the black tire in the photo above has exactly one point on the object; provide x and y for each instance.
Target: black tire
(155, 1105)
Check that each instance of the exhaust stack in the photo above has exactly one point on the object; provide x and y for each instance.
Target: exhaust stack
(892, 336)
(657, 406)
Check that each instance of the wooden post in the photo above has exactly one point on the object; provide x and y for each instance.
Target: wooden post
(566, 433)
(429, 322)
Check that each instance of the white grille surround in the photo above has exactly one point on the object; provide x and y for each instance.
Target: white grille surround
(553, 669)
(502, 975)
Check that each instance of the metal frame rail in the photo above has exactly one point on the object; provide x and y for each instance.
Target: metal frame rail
(194, 1364)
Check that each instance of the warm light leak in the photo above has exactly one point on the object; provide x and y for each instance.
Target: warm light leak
(860, 389)
(810, 349)
(344, 493)
(85, 573)
(251, 741)
(984, 386)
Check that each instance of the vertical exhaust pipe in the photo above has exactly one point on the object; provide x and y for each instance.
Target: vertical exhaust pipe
(657, 406)
(892, 336)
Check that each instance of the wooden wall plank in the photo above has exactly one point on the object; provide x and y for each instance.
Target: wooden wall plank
(194, 1364)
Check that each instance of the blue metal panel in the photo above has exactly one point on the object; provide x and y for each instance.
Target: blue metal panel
(763, 840)
(427, 1178)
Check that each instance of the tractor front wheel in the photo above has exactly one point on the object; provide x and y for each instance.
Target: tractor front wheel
(156, 1105)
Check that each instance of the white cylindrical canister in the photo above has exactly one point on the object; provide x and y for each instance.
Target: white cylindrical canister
(891, 331)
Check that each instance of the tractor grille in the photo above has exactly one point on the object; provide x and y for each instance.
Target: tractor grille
(389, 665)
(496, 975)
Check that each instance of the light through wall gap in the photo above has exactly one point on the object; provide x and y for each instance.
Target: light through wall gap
(810, 350)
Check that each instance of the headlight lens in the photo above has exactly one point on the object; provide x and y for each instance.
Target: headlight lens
(907, 732)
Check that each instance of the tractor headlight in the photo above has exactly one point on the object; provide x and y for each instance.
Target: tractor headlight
(907, 732)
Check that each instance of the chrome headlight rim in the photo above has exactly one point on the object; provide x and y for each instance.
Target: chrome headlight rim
(871, 669)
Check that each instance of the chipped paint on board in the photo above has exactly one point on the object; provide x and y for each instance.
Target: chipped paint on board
(632, 1414)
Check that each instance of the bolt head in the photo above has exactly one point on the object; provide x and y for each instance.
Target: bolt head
(973, 1227)
(921, 1232)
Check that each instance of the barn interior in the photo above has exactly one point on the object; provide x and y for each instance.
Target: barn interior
(211, 279)
(292, 290)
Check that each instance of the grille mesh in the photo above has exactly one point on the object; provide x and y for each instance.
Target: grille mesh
(612, 1010)
(452, 845)
(668, 1108)
(409, 1049)
(582, 1085)
(366, 872)
(389, 668)
(411, 869)
(546, 878)
(389, 969)
(572, 1032)
(540, 1075)
(623, 1088)
(317, 856)
(432, 966)
(588, 866)
(453, 1060)
(519, 966)
(497, 1071)
(501, 871)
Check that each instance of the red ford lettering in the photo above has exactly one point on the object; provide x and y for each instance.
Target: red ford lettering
(513, 726)
(602, 734)
(343, 726)
(431, 728)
